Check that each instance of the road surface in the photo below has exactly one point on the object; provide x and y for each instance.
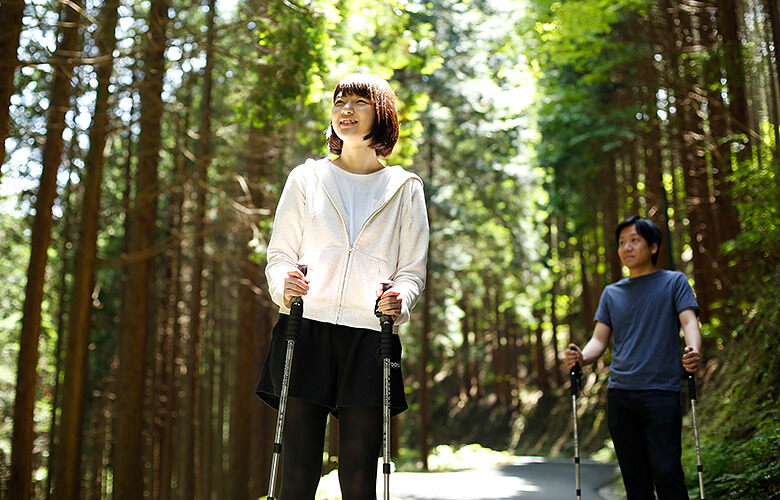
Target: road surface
(523, 478)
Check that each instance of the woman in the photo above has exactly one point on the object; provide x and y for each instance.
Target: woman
(355, 223)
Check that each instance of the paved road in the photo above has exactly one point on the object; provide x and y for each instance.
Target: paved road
(523, 478)
(528, 478)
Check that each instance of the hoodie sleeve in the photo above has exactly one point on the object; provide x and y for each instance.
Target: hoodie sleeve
(409, 278)
(285, 244)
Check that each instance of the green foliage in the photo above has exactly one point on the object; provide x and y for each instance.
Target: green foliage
(742, 446)
(291, 47)
(15, 252)
(741, 468)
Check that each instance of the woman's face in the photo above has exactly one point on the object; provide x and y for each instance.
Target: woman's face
(352, 117)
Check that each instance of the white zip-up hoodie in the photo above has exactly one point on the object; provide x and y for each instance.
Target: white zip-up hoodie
(310, 227)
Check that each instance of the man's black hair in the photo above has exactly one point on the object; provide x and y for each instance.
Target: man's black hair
(646, 228)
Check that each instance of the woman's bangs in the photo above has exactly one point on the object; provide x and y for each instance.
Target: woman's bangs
(354, 87)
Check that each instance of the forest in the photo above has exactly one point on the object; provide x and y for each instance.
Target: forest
(144, 146)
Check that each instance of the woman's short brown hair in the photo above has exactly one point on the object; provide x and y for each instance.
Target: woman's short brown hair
(384, 133)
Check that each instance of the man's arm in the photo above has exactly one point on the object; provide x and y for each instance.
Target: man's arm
(595, 347)
(690, 327)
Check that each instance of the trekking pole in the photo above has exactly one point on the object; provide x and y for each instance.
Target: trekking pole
(576, 384)
(386, 348)
(692, 394)
(293, 330)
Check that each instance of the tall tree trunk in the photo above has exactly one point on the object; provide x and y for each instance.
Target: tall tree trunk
(425, 333)
(172, 427)
(20, 483)
(610, 180)
(554, 327)
(240, 415)
(657, 200)
(552, 256)
(263, 417)
(200, 181)
(541, 369)
(223, 326)
(128, 457)
(588, 307)
(774, 22)
(695, 178)
(725, 223)
(65, 271)
(170, 400)
(66, 485)
(774, 83)
(734, 66)
(11, 15)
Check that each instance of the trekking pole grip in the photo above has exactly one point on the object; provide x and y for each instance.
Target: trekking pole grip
(296, 311)
(576, 379)
(691, 384)
(386, 323)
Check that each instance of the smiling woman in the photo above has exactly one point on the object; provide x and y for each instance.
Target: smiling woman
(355, 222)
(365, 89)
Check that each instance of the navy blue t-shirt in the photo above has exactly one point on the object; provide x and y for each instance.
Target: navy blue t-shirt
(643, 314)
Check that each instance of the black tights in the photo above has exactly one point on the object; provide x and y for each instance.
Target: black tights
(360, 439)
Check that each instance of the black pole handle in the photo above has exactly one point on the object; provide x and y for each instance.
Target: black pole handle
(691, 384)
(576, 379)
(296, 311)
(386, 323)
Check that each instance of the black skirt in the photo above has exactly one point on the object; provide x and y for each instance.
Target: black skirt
(334, 366)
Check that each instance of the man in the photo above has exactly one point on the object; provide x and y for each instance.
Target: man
(645, 312)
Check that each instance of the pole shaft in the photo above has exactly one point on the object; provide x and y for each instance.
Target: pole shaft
(576, 381)
(293, 330)
(692, 394)
(386, 349)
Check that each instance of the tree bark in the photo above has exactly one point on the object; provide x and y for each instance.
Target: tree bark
(200, 181)
(541, 369)
(65, 294)
(264, 417)
(66, 485)
(657, 200)
(240, 415)
(425, 333)
(20, 483)
(128, 456)
(695, 178)
(610, 180)
(11, 16)
(588, 307)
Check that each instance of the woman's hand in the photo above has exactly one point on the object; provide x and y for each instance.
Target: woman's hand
(389, 303)
(295, 285)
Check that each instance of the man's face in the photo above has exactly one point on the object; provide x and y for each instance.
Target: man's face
(633, 250)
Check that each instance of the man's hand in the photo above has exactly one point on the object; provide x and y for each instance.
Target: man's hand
(572, 356)
(691, 359)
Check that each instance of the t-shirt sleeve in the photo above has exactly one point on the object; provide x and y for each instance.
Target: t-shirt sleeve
(602, 312)
(683, 295)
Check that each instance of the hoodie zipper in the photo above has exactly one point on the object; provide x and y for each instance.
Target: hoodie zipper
(350, 250)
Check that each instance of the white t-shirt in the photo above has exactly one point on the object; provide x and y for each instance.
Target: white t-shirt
(360, 194)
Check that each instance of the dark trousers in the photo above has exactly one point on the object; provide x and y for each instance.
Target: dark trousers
(646, 428)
